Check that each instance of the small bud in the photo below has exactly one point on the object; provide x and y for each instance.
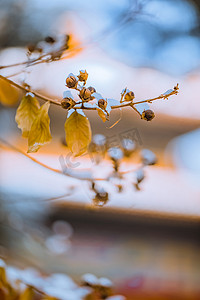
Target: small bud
(176, 88)
(68, 103)
(129, 96)
(119, 188)
(92, 89)
(85, 94)
(83, 76)
(71, 82)
(49, 40)
(31, 48)
(148, 115)
(102, 103)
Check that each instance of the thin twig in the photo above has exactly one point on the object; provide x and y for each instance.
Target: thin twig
(29, 62)
(89, 41)
(14, 74)
(28, 90)
(132, 105)
(45, 166)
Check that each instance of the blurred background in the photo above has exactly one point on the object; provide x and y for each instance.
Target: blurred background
(147, 242)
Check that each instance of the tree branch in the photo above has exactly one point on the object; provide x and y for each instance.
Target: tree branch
(165, 95)
(28, 90)
(7, 144)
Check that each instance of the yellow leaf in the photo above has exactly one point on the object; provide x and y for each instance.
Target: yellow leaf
(3, 279)
(39, 134)
(26, 113)
(78, 133)
(27, 294)
(9, 95)
(101, 114)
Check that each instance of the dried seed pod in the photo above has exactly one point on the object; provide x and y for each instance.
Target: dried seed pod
(176, 87)
(85, 94)
(128, 146)
(98, 144)
(102, 103)
(68, 103)
(139, 175)
(99, 140)
(101, 288)
(101, 198)
(148, 157)
(31, 48)
(89, 280)
(38, 49)
(119, 188)
(115, 153)
(129, 96)
(71, 82)
(50, 40)
(83, 76)
(92, 89)
(148, 115)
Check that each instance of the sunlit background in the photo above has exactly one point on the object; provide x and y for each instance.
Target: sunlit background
(147, 242)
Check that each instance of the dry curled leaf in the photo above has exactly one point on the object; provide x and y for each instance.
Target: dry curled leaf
(78, 133)
(9, 95)
(26, 113)
(102, 114)
(39, 134)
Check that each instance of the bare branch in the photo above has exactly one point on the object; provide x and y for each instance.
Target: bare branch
(25, 89)
(132, 104)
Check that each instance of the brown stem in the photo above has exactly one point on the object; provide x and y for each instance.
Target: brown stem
(29, 62)
(28, 90)
(7, 144)
(132, 105)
